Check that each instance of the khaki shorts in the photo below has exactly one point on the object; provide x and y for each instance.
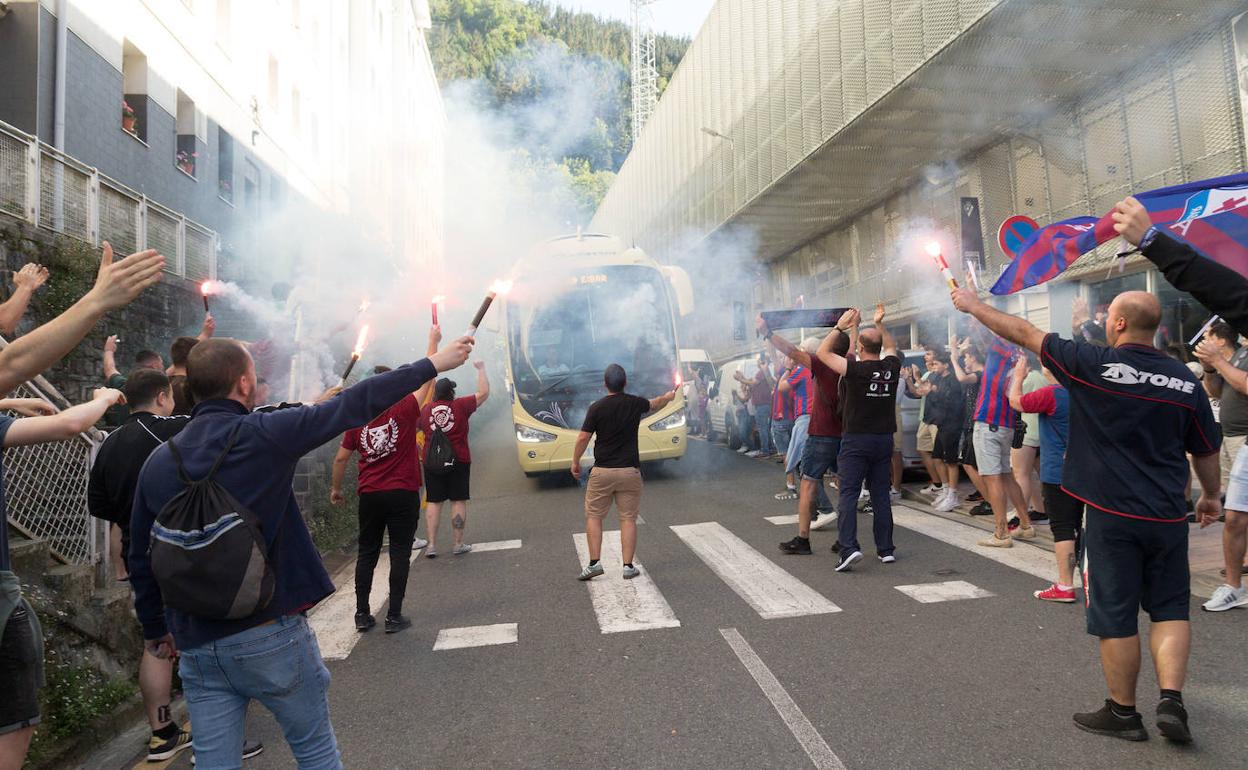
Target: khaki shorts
(1230, 448)
(927, 437)
(623, 485)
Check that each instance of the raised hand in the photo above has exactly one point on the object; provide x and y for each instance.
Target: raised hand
(111, 395)
(118, 283)
(848, 320)
(480, 365)
(1207, 351)
(453, 355)
(110, 343)
(31, 276)
(879, 313)
(435, 334)
(964, 299)
(30, 407)
(1131, 220)
(208, 328)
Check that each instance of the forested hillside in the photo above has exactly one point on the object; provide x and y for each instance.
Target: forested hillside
(558, 80)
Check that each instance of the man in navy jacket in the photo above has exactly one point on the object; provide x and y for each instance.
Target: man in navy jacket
(272, 655)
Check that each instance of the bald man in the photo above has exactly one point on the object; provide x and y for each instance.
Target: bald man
(1134, 414)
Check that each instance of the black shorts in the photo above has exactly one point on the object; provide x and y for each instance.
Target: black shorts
(1065, 512)
(452, 485)
(947, 446)
(966, 449)
(1129, 564)
(19, 670)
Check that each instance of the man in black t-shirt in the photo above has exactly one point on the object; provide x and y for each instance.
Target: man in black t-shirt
(869, 383)
(1134, 413)
(616, 474)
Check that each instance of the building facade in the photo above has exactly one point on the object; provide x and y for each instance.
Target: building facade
(839, 137)
(230, 111)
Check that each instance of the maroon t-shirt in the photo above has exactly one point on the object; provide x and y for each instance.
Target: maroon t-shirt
(389, 457)
(824, 417)
(452, 418)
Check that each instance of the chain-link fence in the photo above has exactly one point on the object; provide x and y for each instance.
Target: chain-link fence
(48, 189)
(45, 488)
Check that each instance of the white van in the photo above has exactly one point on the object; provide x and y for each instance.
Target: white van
(696, 361)
(721, 417)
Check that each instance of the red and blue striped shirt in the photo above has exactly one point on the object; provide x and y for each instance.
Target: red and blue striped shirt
(799, 390)
(993, 405)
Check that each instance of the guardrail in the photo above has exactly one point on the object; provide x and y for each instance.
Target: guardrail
(52, 191)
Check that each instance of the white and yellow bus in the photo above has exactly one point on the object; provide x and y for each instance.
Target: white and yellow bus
(577, 304)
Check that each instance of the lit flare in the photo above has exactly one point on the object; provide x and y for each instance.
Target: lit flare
(935, 252)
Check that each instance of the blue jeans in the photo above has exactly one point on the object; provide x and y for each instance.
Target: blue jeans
(793, 459)
(762, 421)
(782, 435)
(745, 424)
(866, 457)
(278, 664)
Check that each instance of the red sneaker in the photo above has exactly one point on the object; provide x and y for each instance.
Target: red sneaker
(1055, 594)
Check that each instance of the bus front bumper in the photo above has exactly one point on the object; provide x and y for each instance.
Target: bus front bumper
(548, 456)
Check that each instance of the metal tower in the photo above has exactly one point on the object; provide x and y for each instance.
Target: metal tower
(645, 74)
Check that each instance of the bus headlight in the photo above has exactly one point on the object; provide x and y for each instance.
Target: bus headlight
(529, 435)
(674, 420)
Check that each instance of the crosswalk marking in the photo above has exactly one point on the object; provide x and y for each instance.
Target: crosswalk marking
(333, 620)
(780, 521)
(1022, 557)
(477, 636)
(772, 592)
(496, 545)
(948, 591)
(624, 605)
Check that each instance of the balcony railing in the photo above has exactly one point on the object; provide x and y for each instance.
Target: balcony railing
(52, 191)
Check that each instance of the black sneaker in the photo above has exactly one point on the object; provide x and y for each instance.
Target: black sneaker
(1037, 517)
(1106, 722)
(1172, 721)
(798, 546)
(160, 749)
(396, 623)
(983, 509)
(364, 621)
(1014, 523)
(848, 560)
(836, 547)
(975, 497)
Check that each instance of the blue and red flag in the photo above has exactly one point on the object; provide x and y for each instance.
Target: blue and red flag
(1210, 216)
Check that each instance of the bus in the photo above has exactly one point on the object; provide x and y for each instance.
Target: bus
(578, 303)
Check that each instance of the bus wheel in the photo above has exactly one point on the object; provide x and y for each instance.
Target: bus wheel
(734, 440)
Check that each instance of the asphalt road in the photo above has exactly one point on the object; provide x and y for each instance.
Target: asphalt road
(886, 681)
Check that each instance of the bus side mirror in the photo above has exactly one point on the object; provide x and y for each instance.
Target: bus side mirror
(678, 279)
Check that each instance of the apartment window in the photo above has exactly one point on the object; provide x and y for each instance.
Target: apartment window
(225, 166)
(223, 23)
(187, 152)
(274, 93)
(134, 91)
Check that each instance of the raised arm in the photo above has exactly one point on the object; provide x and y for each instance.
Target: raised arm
(662, 401)
(1016, 384)
(25, 281)
(847, 323)
(116, 285)
(889, 346)
(62, 426)
(435, 339)
(208, 328)
(1006, 326)
(781, 344)
(483, 382)
(110, 357)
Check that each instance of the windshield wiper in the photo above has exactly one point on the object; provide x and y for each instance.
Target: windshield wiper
(562, 380)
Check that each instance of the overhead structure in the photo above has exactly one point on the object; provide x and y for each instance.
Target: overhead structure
(645, 76)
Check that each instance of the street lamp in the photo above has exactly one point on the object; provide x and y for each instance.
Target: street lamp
(713, 133)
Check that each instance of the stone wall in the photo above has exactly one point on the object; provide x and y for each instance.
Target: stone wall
(165, 311)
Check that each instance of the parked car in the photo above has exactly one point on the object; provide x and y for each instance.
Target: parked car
(721, 417)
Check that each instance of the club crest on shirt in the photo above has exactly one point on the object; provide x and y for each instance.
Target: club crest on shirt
(442, 417)
(378, 443)
(1122, 374)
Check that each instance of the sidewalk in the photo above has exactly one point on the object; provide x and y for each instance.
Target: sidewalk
(1204, 549)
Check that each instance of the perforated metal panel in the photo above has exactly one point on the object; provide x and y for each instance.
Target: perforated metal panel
(13, 161)
(64, 196)
(162, 235)
(198, 266)
(119, 224)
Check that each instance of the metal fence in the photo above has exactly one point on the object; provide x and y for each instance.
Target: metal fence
(55, 192)
(46, 487)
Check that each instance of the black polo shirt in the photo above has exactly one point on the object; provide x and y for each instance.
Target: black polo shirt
(1135, 413)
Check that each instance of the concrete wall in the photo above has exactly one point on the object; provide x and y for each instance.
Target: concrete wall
(19, 33)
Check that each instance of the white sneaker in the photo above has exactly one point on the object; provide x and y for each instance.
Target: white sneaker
(948, 501)
(1226, 598)
(742, 450)
(864, 495)
(894, 494)
(754, 453)
(825, 521)
(419, 543)
(461, 549)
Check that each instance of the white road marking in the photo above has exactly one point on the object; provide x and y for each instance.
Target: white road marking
(812, 742)
(952, 590)
(1022, 557)
(624, 605)
(333, 620)
(782, 521)
(772, 592)
(476, 636)
(496, 545)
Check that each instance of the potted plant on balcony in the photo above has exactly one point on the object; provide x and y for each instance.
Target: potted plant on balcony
(186, 161)
(128, 120)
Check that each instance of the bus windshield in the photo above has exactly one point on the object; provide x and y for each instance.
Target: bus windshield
(560, 341)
